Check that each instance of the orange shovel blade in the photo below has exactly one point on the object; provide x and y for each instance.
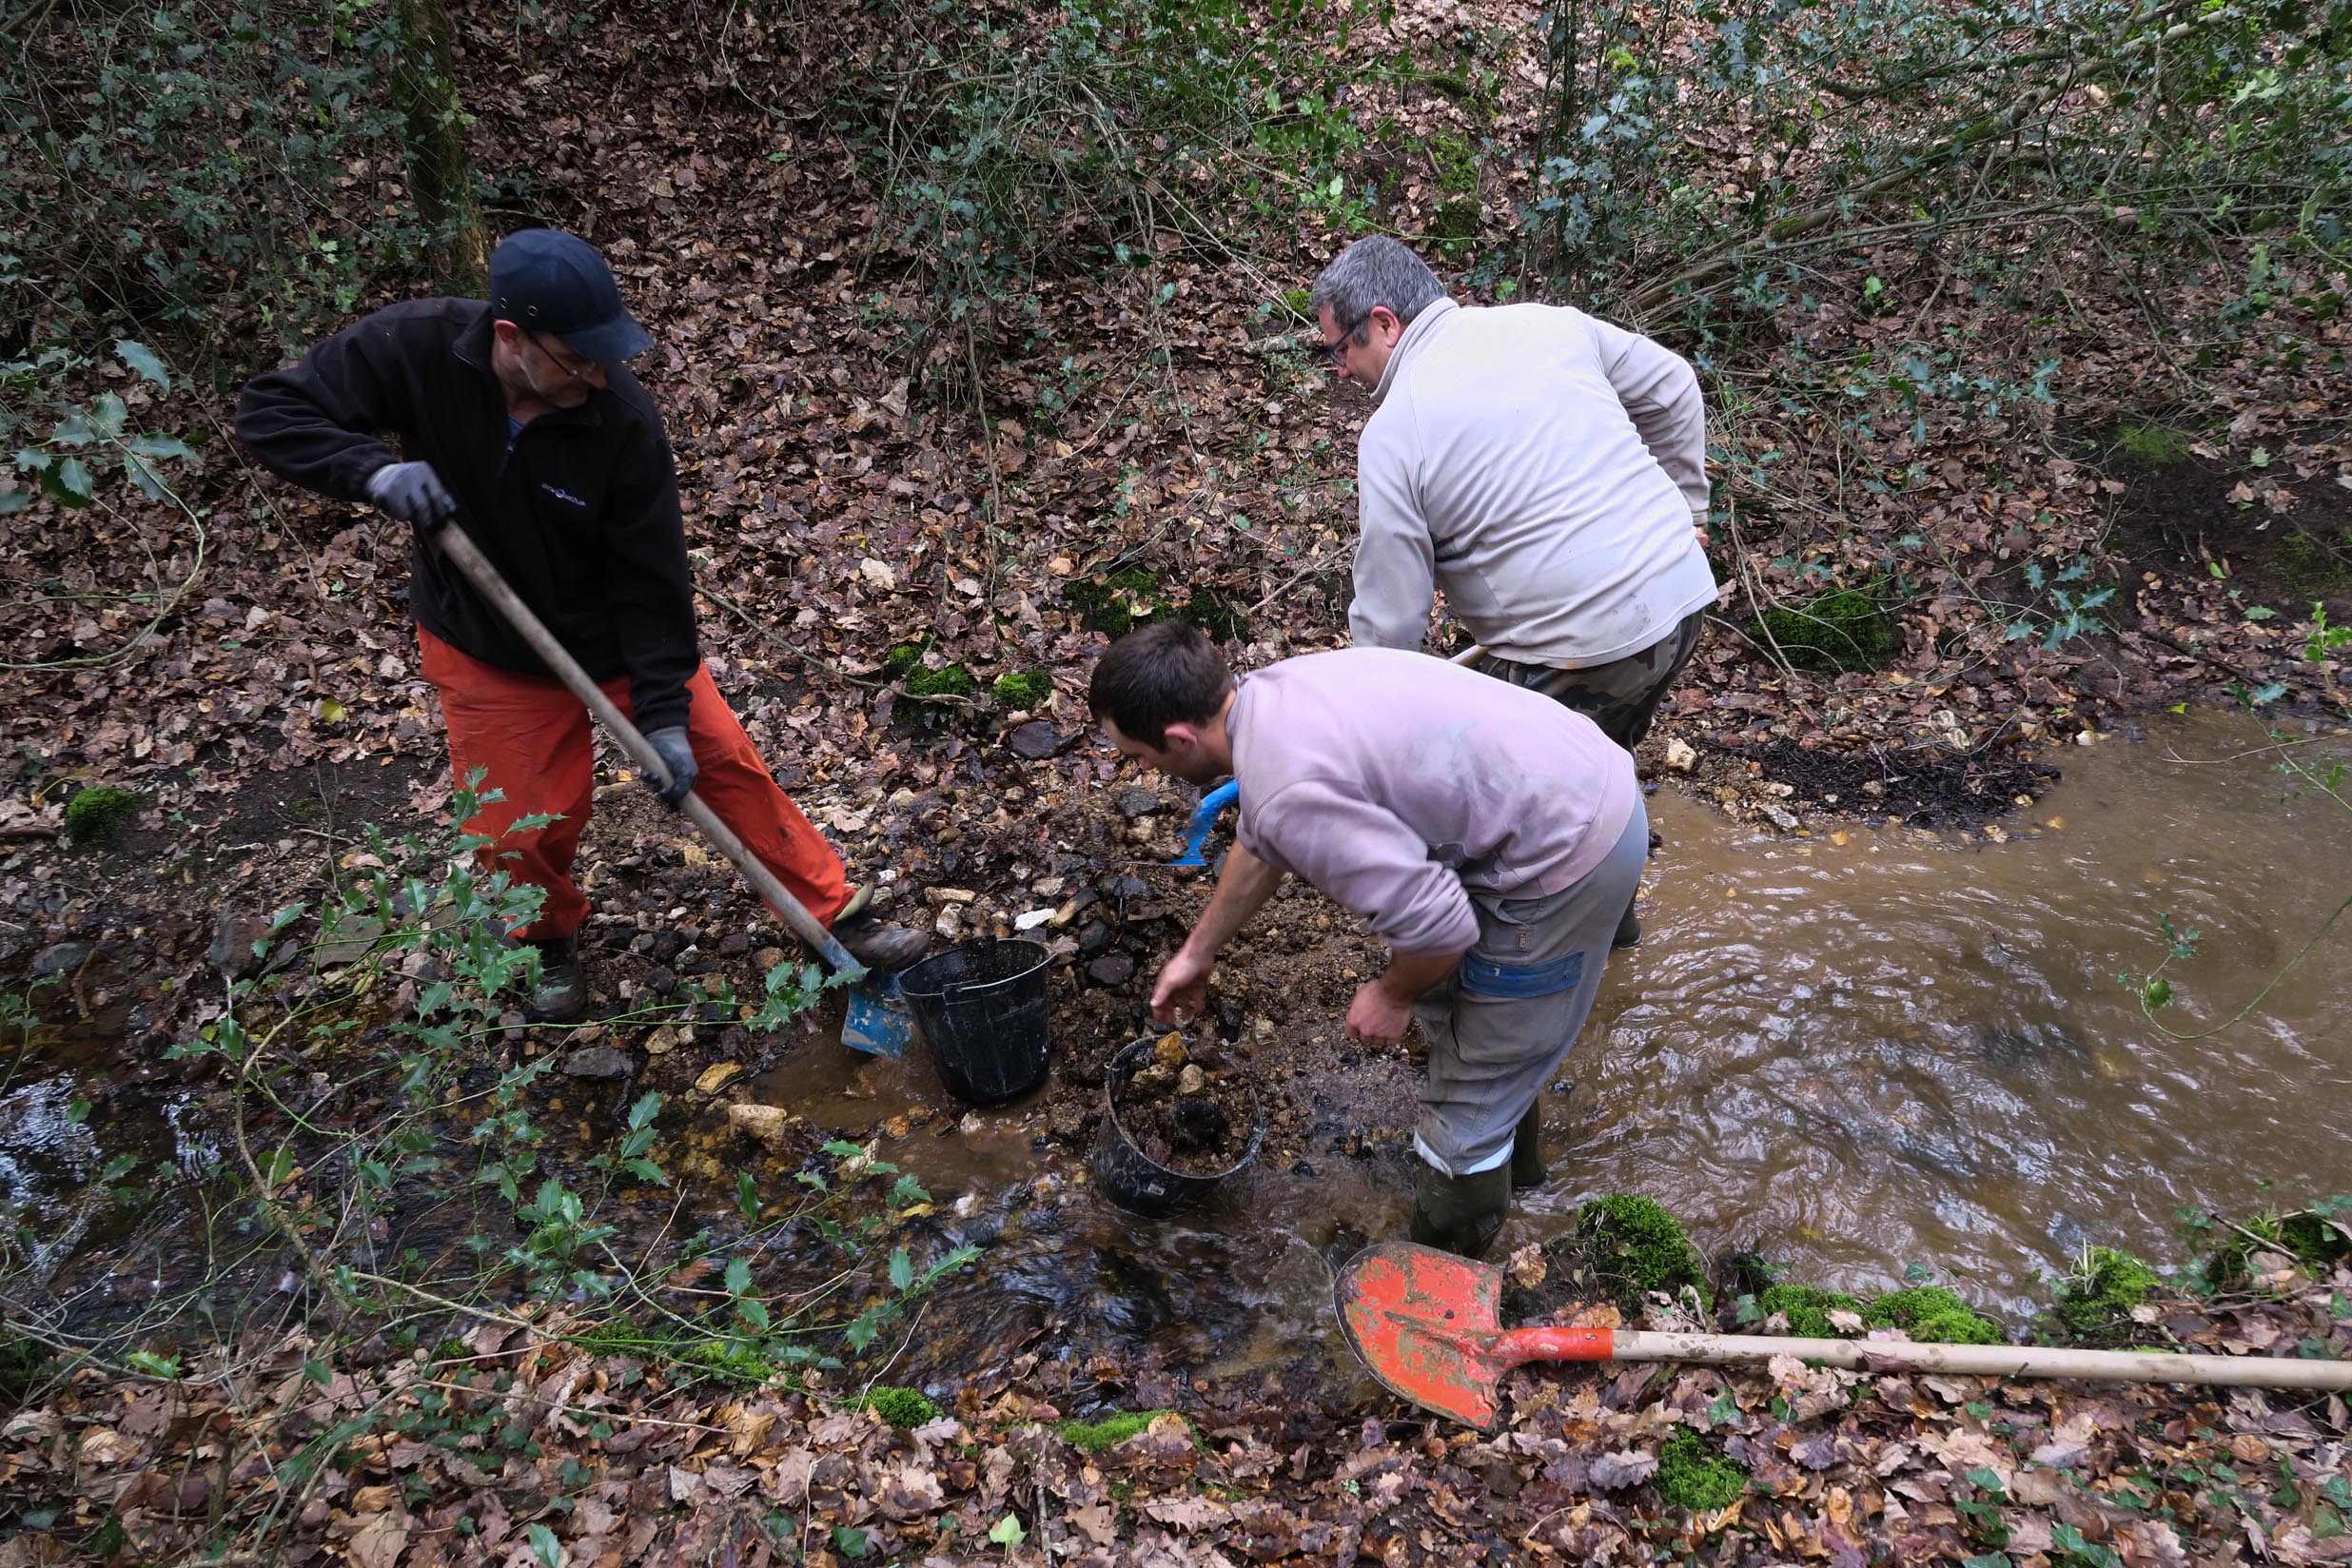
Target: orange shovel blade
(1427, 1324)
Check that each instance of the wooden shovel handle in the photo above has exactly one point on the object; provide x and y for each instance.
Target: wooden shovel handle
(1988, 1360)
(455, 543)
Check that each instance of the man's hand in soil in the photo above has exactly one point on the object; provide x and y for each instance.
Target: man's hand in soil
(1384, 1008)
(679, 757)
(1182, 991)
(412, 491)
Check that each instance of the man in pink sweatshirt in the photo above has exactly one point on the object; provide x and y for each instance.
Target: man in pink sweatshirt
(1546, 469)
(1490, 837)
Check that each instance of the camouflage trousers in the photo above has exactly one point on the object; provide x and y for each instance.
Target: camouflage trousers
(1622, 696)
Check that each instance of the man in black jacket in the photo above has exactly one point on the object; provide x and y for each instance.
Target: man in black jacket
(519, 417)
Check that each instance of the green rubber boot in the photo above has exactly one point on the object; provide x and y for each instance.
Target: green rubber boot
(1527, 1167)
(1461, 1214)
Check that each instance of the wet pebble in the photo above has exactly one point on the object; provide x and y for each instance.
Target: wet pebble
(1112, 969)
(1123, 887)
(1135, 801)
(64, 958)
(735, 945)
(1036, 742)
(1092, 938)
(597, 1061)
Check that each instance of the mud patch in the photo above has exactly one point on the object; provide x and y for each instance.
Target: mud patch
(1784, 782)
(2191, 514)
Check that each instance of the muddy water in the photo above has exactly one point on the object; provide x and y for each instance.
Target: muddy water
(1852, 1056)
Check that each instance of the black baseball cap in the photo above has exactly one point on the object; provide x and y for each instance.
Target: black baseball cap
(544, 279)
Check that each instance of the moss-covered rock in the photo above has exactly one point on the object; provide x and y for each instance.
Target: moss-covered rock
(1932, 1315)
(1115, 605)
(1808, 1308)
(1691, 1475)
(1022, 690)
(1102, 1436)
(1842, 631)
(905, 1408)
(2306, 1235)
(948, 680)
(1633, 1246)
(2096, 1303)
(95, 815)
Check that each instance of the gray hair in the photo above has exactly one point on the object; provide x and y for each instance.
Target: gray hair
(1375, 270)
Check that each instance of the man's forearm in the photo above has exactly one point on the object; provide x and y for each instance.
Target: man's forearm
(1243, 887)
(1411, 973)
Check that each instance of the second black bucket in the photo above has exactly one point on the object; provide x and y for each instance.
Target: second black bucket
(1134, 1180)
(981, 1007)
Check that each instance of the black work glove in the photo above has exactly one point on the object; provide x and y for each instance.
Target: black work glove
(412, 491)
(676, 755)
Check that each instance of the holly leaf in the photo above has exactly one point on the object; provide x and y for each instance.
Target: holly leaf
(145, 361)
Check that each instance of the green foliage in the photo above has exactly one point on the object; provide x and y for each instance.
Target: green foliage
(2314, 562)
(2070, 612)
(166, 162)
(1809, 1309)
(2095, 1302)
(1835, 632)
(905, 1408)
(2313, 1237)
(23, 1365)
(1632, 1246)
(85, 440)
(1024, 689)
(1692, 1476)
(1932, 1315)
(1132, 596)
(1102, 1435)
(95, 815)
(2152, 443)
(948, 680)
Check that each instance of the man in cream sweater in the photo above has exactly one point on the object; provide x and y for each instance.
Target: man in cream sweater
(1547, 469)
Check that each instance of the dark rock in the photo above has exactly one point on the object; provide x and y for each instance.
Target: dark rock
(736, 946)
(660, 980)
(65, 957)
(1122, 887)
(233, 937)
(597, 1061)
(1037, 741)
(667, 945)
(1112, 969)
(1135, 801)
(1085, 898)
(1092, 938)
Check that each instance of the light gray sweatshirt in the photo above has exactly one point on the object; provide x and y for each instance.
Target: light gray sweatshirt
(1545, 468)
(1394, 781)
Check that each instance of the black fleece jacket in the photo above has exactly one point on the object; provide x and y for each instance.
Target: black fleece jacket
(578, 511)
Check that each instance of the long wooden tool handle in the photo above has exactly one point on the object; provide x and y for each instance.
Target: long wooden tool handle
(1984, 1361)
(458, 547)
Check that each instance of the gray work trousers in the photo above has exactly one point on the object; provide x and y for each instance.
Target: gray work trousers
(1498, 1028)
(1622, 696)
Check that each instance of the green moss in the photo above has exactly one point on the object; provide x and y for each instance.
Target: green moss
(94, 816)
(1836, 632)
(1102, 1435)
(2304, 1235)
(1131, 598)
(899, 660)
(1809, 1307)
(2152, 443)
(1692, 1476)
(2313, 565)
(948, 680)
(1296, 300)
(2096, 1302)
(905, 1408)
(1026, 689)
(1932, 1315)
(1633, 1241)
(676, 1346)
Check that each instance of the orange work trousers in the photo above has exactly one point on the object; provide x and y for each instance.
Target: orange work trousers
(534, 740)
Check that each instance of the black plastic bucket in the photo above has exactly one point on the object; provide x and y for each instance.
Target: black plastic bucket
(980, 1007)
(1134, 1180)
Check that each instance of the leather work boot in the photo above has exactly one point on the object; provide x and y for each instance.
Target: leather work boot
(1628, 931)
(562, 996)
(881, 946)
(1461, 1214)
(1527, 1167)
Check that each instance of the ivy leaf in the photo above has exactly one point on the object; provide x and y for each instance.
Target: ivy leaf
(143, 362)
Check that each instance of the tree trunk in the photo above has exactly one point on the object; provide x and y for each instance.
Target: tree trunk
(441, 175)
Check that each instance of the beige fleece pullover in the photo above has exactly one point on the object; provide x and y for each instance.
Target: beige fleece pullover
(1545, 468)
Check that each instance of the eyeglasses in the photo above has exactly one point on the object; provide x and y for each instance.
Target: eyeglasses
(1337, 347)
(553, 358)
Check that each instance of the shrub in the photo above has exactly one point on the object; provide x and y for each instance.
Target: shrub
(1830, 635)
(95, 815)
(1692, 1476)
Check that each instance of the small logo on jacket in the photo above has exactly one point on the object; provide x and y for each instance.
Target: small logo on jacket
(561, 494)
